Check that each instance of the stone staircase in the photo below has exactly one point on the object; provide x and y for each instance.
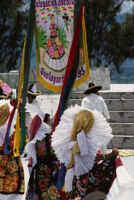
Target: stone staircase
(121, 108)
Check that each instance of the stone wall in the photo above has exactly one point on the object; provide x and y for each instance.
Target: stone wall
(98, 76)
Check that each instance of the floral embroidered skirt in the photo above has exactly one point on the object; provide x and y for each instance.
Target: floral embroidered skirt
(11, 174)
(41, 184)
(99, 178)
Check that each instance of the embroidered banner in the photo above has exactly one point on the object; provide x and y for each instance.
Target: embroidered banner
(54, 35)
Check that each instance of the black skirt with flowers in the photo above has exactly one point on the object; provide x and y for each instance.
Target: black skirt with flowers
(99, 178)
(43, 177)
(11, 174)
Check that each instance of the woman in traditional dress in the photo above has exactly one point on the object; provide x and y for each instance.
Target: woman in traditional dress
(55, 56)
(11, 169)
(76, 142)
(44, 164)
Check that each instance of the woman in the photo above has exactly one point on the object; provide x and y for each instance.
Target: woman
(11, 169)
(55, 56)
(76, 141)
(43, 176)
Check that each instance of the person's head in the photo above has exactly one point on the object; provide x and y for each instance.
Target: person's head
(92, 88)
(65, 18)
(52, 19)
(47, 119)
(32, 93)
(30, 98)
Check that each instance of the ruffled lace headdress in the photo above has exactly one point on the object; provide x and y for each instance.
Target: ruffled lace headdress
(77, 139)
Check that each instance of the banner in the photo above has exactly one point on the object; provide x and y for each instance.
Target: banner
(53, 37)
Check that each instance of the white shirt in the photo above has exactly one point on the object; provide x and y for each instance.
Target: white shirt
(68, 32)
(95, 102)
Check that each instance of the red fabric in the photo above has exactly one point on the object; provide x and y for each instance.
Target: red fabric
(119, 162)
(9, 122)
(71, 58)
(30, 162)
(62, 195)
(35, 125)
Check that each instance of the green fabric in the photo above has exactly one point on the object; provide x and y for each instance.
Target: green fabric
(28, 47)
(76, 64)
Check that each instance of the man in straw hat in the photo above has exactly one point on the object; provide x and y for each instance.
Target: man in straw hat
(68, 30)
(94, 101)
(32, 93)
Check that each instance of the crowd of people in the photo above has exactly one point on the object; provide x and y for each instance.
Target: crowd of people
(74, 154)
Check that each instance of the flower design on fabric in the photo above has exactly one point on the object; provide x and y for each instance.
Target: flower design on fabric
(49, 44)
(2, 172)
(78, 184)
(43, 184)
(56, 54)
(44, 195)
(42, 146)
(51, 51)
(53, 193)
(92, 179)
(61, 50)
(85, 181)
(82, 192)
(3, 161)
(12, 166)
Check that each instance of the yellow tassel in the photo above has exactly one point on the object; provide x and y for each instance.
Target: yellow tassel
(85, 43)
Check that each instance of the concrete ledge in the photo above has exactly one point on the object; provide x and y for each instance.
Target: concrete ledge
(122, 128)
(106, 95)
(122, 116)
(122, 143)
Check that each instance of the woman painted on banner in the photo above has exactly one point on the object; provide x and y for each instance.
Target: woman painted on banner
(11, 169)
(55, 57)
(76, 141)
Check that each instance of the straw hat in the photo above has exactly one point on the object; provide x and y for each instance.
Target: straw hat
(92, 88)
(4, 113)
(32, 90)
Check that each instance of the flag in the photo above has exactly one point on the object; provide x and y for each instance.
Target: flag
(71, 69)
(27, 55)
(53, 37)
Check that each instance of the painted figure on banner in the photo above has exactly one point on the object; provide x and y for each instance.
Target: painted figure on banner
(55, 56)
(68, 30)
(54, 36)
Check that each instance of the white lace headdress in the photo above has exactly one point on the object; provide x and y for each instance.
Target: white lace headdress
(99, 134)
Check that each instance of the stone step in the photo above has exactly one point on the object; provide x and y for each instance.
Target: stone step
(122, 128)
(122, 116)
(113, 104)
(106, 95)
(124, 142)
